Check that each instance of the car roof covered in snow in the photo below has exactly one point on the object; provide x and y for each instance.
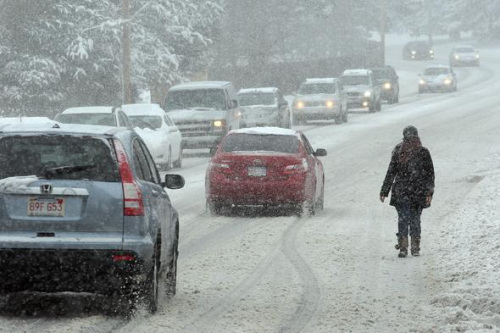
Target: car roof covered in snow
(321, 80)
(142, 109)
(90, 109)
(200, 85)
(60, 128)
(26, 120)
(356, 72)
(438, 66)
(262, 90)
(265, 131)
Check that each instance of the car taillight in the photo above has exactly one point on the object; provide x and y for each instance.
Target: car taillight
(220, 167)
(132, 195)
(297, 168)
(123, 257)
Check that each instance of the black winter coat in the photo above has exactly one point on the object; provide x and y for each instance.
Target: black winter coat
(411, 182)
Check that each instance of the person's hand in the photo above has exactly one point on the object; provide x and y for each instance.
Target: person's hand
(428, 200)
(382, 198)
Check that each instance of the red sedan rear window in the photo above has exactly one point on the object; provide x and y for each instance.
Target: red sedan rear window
(251, 142)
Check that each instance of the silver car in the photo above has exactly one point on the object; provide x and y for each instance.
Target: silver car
(464, 55)
(264, 107)
(83, 209)
(437, 78)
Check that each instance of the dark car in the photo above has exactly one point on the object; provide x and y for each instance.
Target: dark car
(83, 210)
(418, 50)
(388, 81)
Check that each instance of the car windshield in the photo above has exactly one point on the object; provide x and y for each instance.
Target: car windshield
(316, 88)
(251, 142)
(354, 80)
(419, 46)
(196, 99)
(436, 71)
(106, 119)
(247, 99)
(151, 122)
(464, 50)
(381, 73)
(56, 156)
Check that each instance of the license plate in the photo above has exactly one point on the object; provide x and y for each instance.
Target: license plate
(257, 171)
(46, 206)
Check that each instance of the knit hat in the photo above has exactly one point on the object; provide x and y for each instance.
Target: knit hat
(410, 132)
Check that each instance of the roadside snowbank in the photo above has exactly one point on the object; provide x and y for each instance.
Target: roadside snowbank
(468, 260)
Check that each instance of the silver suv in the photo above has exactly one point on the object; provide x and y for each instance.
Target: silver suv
(83, 209)
(361, 89)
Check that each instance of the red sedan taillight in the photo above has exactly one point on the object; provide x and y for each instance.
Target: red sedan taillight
(296, 168)
(132, 195)
(220, 167)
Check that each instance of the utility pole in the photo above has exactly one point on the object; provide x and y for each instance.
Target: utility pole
(127, 97)
(382, 31)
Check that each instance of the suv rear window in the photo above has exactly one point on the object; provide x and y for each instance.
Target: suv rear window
(251, 142)
(58, 157)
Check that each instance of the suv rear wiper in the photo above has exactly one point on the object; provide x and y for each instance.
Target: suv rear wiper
(64, 170)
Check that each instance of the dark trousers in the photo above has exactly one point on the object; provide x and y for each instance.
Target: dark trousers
(409, 220)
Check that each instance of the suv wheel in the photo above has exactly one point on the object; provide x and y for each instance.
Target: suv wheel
(171, 278)
(150, 287)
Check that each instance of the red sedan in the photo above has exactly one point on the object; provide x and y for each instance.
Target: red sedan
(266, 166)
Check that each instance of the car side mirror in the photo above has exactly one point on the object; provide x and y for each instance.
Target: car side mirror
(173, 182)
(234, 104)
(320, 152)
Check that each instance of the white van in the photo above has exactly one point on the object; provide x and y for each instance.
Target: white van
(203, 111)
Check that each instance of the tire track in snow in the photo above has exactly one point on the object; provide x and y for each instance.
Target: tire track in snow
(311, 295)
(308, 300)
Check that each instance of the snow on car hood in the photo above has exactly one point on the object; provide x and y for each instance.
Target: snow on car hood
(151, 137)
(196, 115)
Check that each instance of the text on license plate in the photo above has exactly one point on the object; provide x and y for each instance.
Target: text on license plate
(257, 171)
(46, 206)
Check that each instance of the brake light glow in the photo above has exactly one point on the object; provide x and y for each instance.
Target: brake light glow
(132, 195)
(297, 168)
(123, 257)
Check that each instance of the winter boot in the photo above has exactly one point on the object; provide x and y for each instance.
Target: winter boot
(415, 246)
(403, 247)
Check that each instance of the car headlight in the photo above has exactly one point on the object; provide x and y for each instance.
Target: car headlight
(457, 57)
(387, 85)
(329, 104)
(477, 56)
(422, 81)
(447, 80)
(299, 104)
(368, 93)
(431, 51)
(413, 52)
(218, 124)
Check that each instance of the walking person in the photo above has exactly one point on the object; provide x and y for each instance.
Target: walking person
(410, 177)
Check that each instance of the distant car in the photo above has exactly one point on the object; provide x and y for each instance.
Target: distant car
(361, 89)
(95, 115)
(320, 98)
(204, 111)
(84, 210)
(437, 78)
(464, 56)
(388, 81)
(266, 166)
(161, 135)
(264, 107)
(418, 50)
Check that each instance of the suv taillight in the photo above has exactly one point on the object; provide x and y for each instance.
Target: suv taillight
(132, 195)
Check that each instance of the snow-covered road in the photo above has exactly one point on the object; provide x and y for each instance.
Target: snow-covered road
(338, 271)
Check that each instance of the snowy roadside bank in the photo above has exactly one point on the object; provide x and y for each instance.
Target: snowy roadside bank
(467, 258)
